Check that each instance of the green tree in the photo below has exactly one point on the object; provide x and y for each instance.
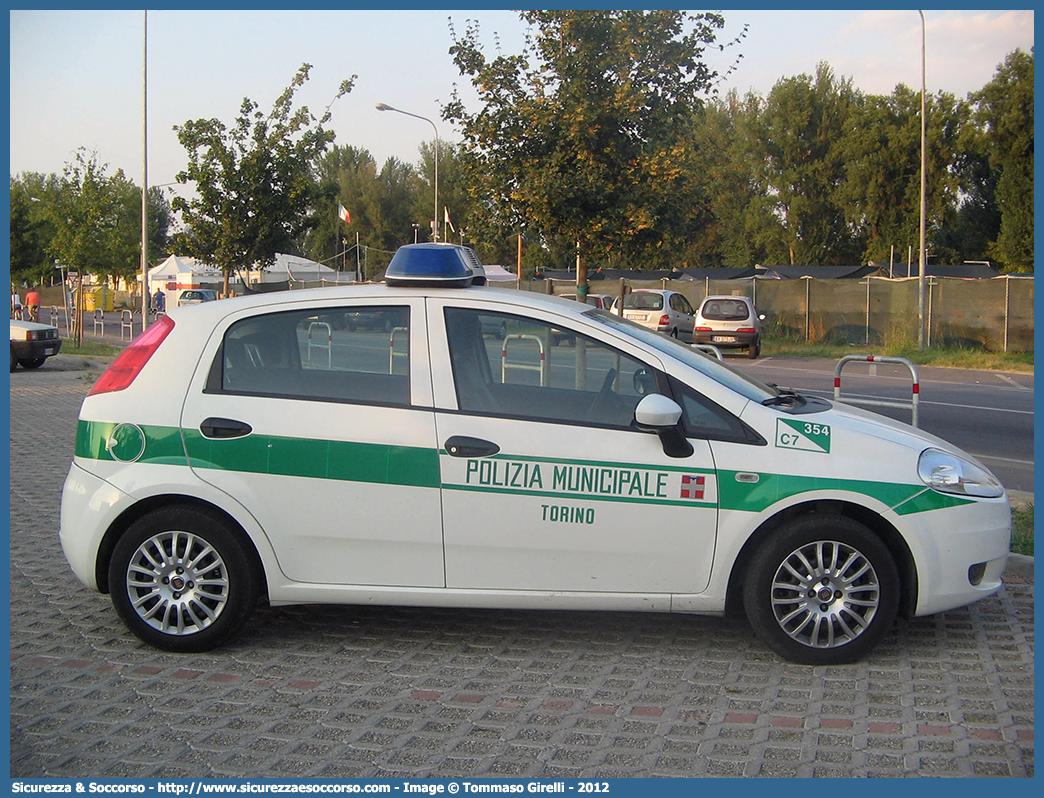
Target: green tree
(881, 150)
(743, 230)
(40, 205)
(31, 229)
(1004, 108)
(583, 139)
(255, 194)
(799, 129)
(345, 176)
(90, 220)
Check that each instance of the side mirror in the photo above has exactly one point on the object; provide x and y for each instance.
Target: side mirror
(661, 414)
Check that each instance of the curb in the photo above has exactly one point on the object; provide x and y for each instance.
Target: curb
(1020, 499)
(1019, 565)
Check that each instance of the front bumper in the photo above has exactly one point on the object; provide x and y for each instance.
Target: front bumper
(960, 553)
(34, 350)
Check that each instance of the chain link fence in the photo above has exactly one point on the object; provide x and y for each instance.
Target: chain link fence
(996, 315)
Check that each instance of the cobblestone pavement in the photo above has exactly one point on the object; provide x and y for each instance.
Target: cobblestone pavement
(389, 692)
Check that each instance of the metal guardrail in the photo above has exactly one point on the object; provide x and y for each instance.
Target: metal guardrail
(902, 405)
(392, 351)
(56, 317)
(126, 325)
(541, 368)
(328, 346)
(710, 349)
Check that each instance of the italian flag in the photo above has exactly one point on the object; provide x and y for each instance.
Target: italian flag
(342, 212)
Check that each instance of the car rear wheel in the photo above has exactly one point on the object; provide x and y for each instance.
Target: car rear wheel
(32, 362)
(14, 360)
(182, 580)
(754, 350)
(822, 591)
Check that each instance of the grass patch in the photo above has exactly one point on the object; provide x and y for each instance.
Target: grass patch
(944, 357)
(1022, 530)
(89, 349)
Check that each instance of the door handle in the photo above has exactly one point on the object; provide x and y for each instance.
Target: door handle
(224, 428)
(463, 446)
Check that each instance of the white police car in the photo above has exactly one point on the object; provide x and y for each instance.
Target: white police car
(264, 446)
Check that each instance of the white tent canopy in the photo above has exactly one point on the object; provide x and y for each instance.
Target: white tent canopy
(173, 266)
(291, 267)
(498, 273)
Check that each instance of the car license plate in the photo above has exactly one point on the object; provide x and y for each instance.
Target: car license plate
(639, 316)
(49, 350)
(724, 339)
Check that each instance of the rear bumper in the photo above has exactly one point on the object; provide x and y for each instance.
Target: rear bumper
(726, 340)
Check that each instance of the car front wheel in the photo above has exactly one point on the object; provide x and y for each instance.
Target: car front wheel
(182, 580)
(822, 591)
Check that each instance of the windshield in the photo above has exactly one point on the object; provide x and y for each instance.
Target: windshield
(748, 387)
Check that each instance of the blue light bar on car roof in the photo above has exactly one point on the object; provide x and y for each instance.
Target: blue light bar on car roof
(435, 265)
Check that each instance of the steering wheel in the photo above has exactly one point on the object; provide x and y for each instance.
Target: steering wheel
(603, 394)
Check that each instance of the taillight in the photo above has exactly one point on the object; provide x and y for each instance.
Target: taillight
(129, 364)
(745, 330)
(703, 329)
(665, 321)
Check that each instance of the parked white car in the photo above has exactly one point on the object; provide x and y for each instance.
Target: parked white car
(196, 296)
(252, 447)
(32, 343)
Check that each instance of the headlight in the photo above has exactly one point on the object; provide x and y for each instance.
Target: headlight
(949, 473)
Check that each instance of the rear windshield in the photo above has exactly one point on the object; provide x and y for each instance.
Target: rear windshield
(725, 310)
(639, 301)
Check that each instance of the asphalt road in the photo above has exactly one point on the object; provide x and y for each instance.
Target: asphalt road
(988, 414)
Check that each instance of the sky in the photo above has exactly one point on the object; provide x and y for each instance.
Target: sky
(77, 76)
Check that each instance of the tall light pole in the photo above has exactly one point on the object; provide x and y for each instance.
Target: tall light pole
(923, 258)
(435, 219)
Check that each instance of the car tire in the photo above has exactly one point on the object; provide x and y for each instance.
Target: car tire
(754, 350)
(822, 590)
(32, 362)
(182, 580)
(14, 360)
(674, 333)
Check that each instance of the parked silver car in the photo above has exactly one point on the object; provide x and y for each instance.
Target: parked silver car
(729, 322)
(668, 312)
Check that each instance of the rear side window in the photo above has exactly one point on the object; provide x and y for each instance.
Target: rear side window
(357, 354)
(680, 304)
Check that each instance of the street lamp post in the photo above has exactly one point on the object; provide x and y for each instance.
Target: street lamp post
(435, 219)
(922, 260)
